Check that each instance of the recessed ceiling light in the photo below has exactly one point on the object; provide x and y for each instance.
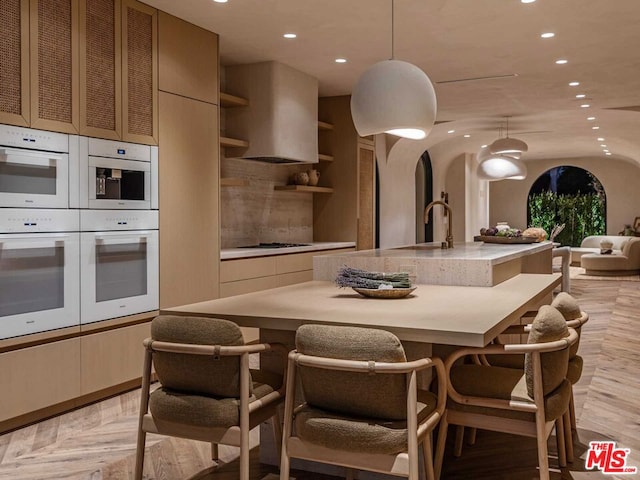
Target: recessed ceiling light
(466, 135)
(289, 35)
(608, 153)
(574, 84)
(220, 1)
(591, 118)
(580, 95)
(562, 61)
(595, 128)
(603, 145)
(451, 131)
(548, 35)
(484, 146)
(585, 105)
(527, 1)
(341, 60)
(605, 150)
(600, 139)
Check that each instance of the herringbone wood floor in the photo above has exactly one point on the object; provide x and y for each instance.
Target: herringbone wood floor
(98, 442)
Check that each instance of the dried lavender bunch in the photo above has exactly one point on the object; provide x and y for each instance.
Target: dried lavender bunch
(353, 277)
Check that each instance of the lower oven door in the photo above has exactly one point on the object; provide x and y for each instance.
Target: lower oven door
(119, 272)
(39, 282)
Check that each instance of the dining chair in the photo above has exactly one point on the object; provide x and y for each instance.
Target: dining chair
(361, 406)
(206, 390)
(528, 401)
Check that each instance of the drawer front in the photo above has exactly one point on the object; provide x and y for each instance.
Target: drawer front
(233, 270)
(294, 262)
(230, 289)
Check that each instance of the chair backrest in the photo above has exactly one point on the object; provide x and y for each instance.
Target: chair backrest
(199, 374)
(548, 326)
(368, 395)
(570, 310)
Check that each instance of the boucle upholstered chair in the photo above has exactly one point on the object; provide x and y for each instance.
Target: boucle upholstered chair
(207, 391)
(510, 400)
(362, 407)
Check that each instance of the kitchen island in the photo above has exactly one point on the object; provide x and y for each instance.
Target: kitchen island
(467, 264)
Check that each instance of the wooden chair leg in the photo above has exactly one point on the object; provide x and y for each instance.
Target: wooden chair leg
(572, 411)
(277, 433)
(442, 438)
(568, 436)
(457, 450)
(471, 439)
(142, 438)
(560, 442)
(543, 454)
(428, 457)
(214, 452)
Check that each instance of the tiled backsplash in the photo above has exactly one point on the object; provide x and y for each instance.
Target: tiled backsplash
(257, 213)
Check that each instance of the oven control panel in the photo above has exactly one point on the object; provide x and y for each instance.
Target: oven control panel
(105, 220)
(11, 136)
(22, 220)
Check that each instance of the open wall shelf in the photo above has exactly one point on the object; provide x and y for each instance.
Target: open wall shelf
(303, 189)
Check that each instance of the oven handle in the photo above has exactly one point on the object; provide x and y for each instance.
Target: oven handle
(21, 157)
(24, 242)
(115, 238)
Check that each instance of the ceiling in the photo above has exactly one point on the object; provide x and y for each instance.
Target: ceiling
(456, 42)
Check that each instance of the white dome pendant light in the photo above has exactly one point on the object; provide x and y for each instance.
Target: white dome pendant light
(394, 97)
(499, 166)
(508, 145)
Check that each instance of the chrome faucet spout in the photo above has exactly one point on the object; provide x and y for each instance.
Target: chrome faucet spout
(449, 239)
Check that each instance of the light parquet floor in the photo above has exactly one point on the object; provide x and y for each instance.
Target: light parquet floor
(98, 442)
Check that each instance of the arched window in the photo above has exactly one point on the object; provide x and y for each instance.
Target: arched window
(424, 194)
(571, 196)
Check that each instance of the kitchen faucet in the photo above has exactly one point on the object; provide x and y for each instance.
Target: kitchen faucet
(449, 242)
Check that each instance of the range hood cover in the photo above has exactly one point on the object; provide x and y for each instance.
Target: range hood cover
(281, 121)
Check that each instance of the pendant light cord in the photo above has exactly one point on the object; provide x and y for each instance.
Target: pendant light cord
(392, 31)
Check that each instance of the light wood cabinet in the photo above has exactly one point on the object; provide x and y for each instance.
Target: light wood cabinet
(54, 72)
(139, 73)
(188, 59)
(189, 181)
(101, 69)
(349, 213)
(14, 67)
(111, 358)
(37, 377)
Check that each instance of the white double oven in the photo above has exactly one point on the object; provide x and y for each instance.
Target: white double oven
(78, 230)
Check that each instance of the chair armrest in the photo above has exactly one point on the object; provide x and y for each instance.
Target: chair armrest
(361, 366)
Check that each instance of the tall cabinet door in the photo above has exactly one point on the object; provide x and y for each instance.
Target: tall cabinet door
(139, 73)
(366, 196)
(100, 69)
(54, 65)
(14, 62)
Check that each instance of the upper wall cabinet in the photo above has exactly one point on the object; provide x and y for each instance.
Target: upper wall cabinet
(139, 73)
(14, 67)
(39, 64)
(100, 69)
(188, 59)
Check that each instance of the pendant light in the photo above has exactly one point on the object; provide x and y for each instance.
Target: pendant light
(508, 145)
(394, 97)
(494, 166)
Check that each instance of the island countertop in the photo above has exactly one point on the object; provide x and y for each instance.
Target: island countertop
(467, 264)
(465, 316)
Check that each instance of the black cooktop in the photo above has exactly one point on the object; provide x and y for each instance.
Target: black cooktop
(277, 245)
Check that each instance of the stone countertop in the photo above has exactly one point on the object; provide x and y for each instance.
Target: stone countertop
(235, 253)
(467, 264)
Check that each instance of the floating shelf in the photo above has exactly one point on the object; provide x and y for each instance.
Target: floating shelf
(228, 100)
(324, 126)
(325, 158)
(303, 188)
(234, 182)
(233, 142)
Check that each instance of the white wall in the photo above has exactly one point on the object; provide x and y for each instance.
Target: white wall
(620, 179)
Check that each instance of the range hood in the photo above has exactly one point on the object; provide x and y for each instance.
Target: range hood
(281, 121)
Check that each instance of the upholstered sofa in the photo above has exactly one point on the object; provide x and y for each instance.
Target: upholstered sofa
(626, 262)
(591, 244)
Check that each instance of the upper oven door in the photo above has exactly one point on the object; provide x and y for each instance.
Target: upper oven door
(119, 184)
(39, 282)
(33, 179)
(119, 273)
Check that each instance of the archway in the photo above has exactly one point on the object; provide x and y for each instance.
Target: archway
(424, 194)
(571, 196)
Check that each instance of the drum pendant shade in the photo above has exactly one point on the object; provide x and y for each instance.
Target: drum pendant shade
(395, 97)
